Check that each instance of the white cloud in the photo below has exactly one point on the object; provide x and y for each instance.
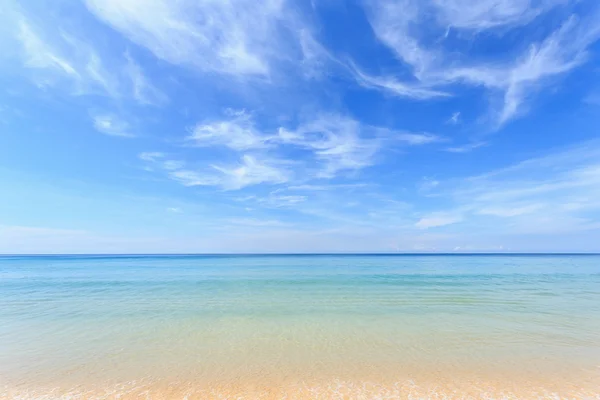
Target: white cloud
(415, 139)
(572, 173)
(151, 155)
(510, 211)
(249, 171)
(315, 58)
(275, 199)
(336, 142)
(110, 124)
(486, 14)
(143, 90)
(319, 188)
(56, 54)
(252, 171)
(172, 165)
(282, 200)
(332, 143)
(510, 81)
(194, 178)
(235, 37)
(395, 87)
(174, 210)
(428, 184)
(392, 22)
(40, 55)
(454, 118)
(238, 133)
(562, 51)
(97, 73)
(555, 193)
(344, 144)
(466, 147)
(64, 58)
(438, 219)
(255, 222)
(243, 38)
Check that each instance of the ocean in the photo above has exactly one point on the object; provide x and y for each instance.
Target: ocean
(300, 326)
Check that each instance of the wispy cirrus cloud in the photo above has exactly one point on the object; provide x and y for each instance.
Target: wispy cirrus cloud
(487, 14)
(71, 60)
(337, 142)
(438, 219)
(557, 192)
(152, 156)
(143, 91)
(331, 143)
(454, 118)
(396, 87)
(238, 38)
(320, 129)
(510, 81)
(40, 55)
(319, 188)
(341, 143)
(277, 198)
(112, 125)
(562, 51)
(465, 148)
(237, 132)
(255, 222)
(250, 170)
(510, 211)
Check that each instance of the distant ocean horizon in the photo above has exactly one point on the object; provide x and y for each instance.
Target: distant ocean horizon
(336, 325)
(302, 254)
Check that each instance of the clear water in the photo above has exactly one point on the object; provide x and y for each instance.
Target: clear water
(71, 323)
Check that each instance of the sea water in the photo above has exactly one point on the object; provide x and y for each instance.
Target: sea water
(300, 326)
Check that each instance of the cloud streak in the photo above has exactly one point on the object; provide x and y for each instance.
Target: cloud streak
(39, 55)
(549, 194)
(436, 220)
(330, 144)
(248, 171)
(143, 91)
(59, 56)
(238, 132)
(233, 37)
(64, 61)
(395, 87)
(112, 125)
(510, 82)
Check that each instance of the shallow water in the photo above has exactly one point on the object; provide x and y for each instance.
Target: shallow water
(325, 326)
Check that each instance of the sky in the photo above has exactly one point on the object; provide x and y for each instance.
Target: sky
(237, 126)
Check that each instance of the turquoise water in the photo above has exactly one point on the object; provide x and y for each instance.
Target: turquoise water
(93, 319)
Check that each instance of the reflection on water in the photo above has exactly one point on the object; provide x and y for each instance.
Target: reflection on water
(263, 323)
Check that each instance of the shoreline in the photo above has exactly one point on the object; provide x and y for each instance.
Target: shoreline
(447, 385)
(329, 389)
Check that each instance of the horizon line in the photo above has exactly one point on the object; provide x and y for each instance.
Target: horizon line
(301, 254)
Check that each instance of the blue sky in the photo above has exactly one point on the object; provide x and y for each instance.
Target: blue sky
(132, 126)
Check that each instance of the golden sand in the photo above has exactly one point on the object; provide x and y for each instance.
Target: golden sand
(464, 387)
